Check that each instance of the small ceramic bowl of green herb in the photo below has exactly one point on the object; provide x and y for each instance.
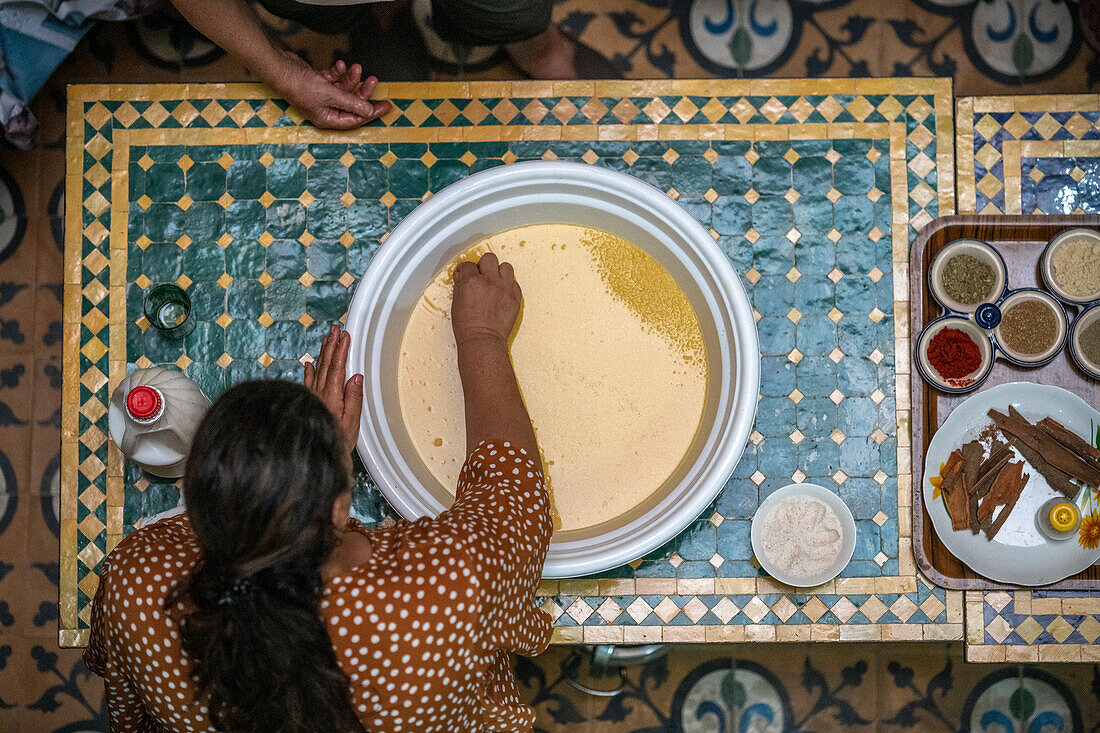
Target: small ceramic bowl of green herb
(1084, 341)
(1032, 329)
(1070, 266)
(965, 274)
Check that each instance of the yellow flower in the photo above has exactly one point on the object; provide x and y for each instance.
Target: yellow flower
(936, 481)
(1089, 534)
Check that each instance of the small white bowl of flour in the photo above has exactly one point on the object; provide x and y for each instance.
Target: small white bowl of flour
(803, 535)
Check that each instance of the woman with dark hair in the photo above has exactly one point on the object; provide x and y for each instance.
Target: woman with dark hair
(265, 609)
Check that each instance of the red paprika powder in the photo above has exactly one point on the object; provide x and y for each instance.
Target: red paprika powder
(953, 353)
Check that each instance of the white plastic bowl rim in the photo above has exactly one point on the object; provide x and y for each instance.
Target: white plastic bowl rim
(427, 239)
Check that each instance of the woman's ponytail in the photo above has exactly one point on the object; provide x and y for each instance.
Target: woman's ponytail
(265, 469)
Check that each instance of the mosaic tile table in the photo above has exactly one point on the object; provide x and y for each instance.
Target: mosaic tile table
(1030, 155)
(813, 189)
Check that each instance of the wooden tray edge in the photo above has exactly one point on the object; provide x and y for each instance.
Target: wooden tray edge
(916, 400)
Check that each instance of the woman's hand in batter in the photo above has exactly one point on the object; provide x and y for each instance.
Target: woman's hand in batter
(325, 378)
(486, 300)
(486, 304)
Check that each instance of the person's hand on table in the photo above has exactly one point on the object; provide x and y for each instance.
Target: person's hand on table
(325, 378)
(337, 98)
(486, 300)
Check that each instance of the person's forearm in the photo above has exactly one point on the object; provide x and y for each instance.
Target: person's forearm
(232, 25)
(494, 406)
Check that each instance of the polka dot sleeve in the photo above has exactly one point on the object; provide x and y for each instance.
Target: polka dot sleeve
(503, 510)
(124, 706)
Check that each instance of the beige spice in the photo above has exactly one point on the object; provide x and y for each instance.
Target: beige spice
(802, 536)
(1075, 265)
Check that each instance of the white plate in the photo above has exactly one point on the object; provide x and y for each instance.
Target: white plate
(829, 499)
(1018, 554)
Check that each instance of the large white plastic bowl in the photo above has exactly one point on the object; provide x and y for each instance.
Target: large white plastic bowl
(553, 192)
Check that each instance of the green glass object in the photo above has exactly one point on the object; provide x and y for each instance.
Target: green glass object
(169, 311)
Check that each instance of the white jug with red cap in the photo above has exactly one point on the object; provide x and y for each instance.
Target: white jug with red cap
(153, 416)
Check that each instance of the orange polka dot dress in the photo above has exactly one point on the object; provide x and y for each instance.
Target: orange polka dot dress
(423, 629)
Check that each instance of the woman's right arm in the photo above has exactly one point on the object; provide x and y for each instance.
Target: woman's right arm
(333, 98)
(501, 515)
(483, 312)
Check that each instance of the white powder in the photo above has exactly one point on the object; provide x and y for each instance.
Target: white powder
(802, 536)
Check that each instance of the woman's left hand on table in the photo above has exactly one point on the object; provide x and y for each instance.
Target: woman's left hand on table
(326, 379)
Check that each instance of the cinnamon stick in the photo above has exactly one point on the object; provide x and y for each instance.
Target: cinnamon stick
(1065, 459)
(1017, 480)
(989, 504)
(1058, 480)
(1068, 438)
(972, 512)
(1048, 451)
(1003, 487)
(972, 454)
(989, 470)
(953, 488)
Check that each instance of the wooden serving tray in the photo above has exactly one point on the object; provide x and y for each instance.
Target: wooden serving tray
(1020, 240)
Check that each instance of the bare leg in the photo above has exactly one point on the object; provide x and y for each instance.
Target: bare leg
(548, 55)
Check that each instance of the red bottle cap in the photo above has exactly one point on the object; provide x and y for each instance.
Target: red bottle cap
(143, 402)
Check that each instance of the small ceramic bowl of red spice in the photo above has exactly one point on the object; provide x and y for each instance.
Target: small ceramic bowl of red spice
(1032, 328)
(954, 354)
(1084, 341)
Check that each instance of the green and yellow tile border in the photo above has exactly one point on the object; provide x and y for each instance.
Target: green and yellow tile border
(104, 121)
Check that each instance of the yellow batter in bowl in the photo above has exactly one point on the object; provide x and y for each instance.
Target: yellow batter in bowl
(609, 357)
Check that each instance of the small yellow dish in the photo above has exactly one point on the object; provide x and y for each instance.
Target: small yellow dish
(1064, 516)
(1058, 519)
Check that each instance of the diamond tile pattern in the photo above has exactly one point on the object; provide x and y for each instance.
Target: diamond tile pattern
(896, 609)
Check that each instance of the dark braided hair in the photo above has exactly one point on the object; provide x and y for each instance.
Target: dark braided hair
(264, 472)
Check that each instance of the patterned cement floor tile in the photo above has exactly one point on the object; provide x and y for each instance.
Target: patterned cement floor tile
(813, 687)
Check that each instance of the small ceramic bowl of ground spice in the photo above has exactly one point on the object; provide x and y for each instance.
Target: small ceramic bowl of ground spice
(1032, 329)
(1084, 342)
(954, 354)
(803, 535)
(1070, 266)
(965, 274)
